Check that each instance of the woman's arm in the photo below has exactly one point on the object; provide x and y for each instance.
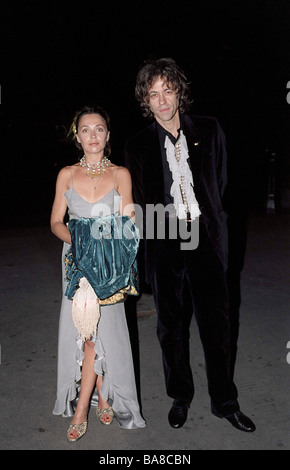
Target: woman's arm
(124, 188)
(60, 206)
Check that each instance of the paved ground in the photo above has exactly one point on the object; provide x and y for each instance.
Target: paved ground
(30, 302)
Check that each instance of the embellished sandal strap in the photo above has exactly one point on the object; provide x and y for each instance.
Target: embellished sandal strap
(101, 411)
(80, 428)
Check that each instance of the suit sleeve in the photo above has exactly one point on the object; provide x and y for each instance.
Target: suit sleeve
(221, 155)
(133, 163)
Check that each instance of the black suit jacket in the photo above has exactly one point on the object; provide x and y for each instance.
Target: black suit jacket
(207, 151)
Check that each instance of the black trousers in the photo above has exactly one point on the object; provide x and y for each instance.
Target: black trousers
(183, 279)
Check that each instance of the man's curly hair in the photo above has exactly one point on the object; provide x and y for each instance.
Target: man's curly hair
(167, 69)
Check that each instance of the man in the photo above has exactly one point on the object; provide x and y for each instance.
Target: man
(180, 162)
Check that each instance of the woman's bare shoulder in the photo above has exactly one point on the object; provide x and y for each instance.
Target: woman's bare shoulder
(64, 173)
(124, 173)
(66, 170)
(64, 176)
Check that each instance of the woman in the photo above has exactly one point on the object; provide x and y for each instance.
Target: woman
(102, 364)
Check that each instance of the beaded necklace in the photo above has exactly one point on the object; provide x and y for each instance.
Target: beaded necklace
(95, 170)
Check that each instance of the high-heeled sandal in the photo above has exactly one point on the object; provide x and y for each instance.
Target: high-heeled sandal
(80, 428)
(100, 412)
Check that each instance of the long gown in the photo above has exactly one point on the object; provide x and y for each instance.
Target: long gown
(112, 344)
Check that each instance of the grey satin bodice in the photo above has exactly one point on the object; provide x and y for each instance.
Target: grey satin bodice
(79, 207)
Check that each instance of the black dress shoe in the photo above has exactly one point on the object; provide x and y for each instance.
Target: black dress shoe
(241, 422)
(177, 416)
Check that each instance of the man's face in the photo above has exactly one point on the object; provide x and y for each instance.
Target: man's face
(163, 101)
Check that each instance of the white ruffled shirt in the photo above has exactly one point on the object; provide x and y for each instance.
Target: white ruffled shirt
(178, 170)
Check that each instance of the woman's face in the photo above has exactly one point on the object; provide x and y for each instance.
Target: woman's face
(92, 134)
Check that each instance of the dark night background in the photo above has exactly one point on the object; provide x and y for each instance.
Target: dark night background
(57, 56)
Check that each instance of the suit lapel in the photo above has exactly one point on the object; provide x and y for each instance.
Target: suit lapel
(195, 146)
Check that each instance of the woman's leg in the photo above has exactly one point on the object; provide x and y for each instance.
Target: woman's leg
(88, 383)
(102, 404)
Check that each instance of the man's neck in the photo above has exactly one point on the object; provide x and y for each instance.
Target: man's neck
(171, 126)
